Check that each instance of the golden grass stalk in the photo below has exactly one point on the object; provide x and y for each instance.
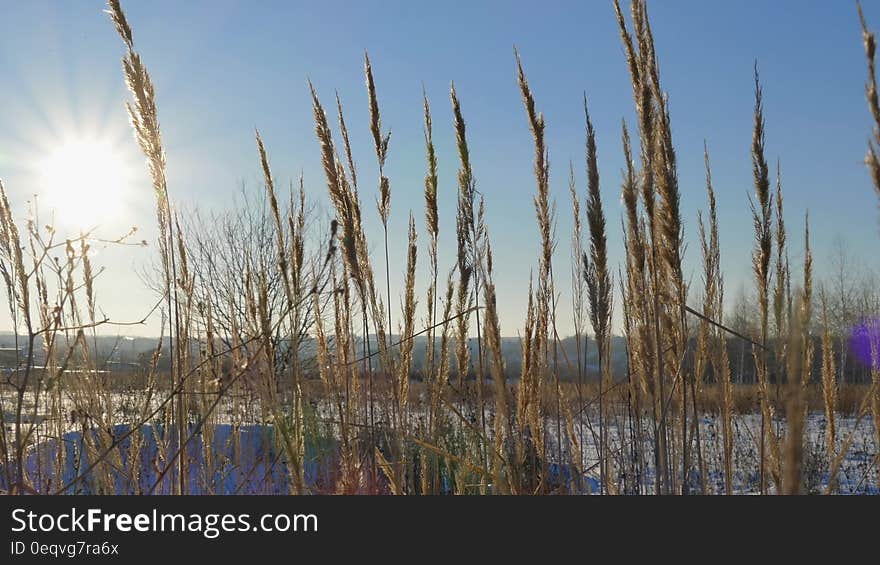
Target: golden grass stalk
(723, 374)
(829, 388)
(346, 203)
(438, 385)
(354, 250)
(711, 310)
(502, 427)
(762, 217)
(380, 142)
(599, 291)
(800, 363)
(872, 160)
(293, 437)
(346, 144)
(792, 478)
(807, 307)
(529, 414)
(144, 119)
(640, 352)
(542, 175)
(656, 151)
(409, 315)
(667, 240)
(544, 313)
(432, 224)
(399, 479)
(643, 97)
(577, 299)
(779, 293)
(463, 220)
(14, 272)
(18, 288)
(276, 217)
(470, 235)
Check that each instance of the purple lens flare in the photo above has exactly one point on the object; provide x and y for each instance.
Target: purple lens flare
(864, 342)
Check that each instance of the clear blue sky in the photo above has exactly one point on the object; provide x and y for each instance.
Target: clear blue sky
(221, 68)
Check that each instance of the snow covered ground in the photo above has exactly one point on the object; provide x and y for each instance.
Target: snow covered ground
(238, 454)
(858, 467)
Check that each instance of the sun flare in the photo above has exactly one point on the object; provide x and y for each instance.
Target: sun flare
(83, 182)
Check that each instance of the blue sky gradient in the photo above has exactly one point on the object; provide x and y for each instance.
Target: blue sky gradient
(223, 68)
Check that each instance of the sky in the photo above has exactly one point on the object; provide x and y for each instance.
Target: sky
(223, 68)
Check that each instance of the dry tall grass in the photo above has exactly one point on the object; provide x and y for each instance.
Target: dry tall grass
(298, 340)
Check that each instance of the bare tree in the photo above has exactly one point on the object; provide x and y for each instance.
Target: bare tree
(224, 247)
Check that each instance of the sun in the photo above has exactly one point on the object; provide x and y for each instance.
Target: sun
(83, 181)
